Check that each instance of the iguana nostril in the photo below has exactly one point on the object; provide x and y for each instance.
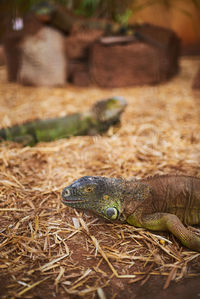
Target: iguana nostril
(66, 193)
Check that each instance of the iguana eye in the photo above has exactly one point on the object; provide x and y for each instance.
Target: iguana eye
(89, 189)
(112, 213)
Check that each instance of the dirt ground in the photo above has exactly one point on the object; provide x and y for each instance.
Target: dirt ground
(48, 250)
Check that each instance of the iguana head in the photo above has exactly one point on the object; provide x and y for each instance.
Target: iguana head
(100, 195)
(110, 109)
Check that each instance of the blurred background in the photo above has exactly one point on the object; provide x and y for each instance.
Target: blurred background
(183, 16)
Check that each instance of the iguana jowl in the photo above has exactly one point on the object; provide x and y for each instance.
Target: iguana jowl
(156, 203)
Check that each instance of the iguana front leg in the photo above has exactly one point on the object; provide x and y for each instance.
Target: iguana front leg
(167, 222)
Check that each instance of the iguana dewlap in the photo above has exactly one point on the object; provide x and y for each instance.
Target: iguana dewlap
(156, 203)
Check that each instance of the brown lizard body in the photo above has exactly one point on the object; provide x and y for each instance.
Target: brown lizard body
(156, 203)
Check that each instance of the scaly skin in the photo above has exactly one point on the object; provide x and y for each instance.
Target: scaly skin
(157, 203)
(97, 120)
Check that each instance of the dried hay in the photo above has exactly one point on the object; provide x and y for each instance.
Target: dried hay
(50, 250)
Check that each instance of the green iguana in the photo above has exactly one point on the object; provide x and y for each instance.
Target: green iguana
(97, 120)
(156, 203)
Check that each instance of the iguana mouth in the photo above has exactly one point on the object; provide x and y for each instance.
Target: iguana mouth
(72, 201)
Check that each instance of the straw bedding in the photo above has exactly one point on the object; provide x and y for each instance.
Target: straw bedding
(49, 250)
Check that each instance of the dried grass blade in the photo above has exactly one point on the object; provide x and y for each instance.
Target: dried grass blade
(43, 268)
(14, 209)
(107, 260)
(62, 271)
(100, 293)
(170, 277)
(31, 287)
(77, 282)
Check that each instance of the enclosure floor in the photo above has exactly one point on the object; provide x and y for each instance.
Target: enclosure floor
(51, 251)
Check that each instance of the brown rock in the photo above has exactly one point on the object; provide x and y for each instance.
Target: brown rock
(196, 81)
(151, 59)
(36, 55)
(78, 43)
(12, 41)
(78, 71)
(77, 47)
(12, 54)
(2, 56)
(43, 59)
